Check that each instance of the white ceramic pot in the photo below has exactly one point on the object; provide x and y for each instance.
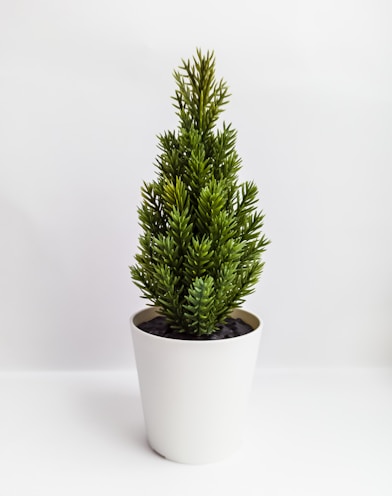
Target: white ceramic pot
(195, 393)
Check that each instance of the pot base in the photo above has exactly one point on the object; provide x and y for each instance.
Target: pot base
(190, 460)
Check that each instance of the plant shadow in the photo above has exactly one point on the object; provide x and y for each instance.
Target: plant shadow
(116, 413)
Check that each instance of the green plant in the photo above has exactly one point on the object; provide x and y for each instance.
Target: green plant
(201, 242)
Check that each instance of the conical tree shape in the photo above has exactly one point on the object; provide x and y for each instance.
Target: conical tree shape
(201, 243)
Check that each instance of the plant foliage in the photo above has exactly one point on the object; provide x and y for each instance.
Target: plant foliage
(201, 243)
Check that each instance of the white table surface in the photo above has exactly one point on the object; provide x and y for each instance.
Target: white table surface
(309, 432)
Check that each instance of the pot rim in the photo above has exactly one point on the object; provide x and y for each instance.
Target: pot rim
(257, 327)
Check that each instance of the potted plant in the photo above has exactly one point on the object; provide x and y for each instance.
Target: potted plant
(199, 256)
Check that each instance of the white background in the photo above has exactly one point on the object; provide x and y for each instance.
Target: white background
(85, 87)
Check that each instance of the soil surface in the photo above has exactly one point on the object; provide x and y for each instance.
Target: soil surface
(231, 329)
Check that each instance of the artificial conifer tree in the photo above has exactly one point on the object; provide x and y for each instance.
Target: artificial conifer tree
(201, 243)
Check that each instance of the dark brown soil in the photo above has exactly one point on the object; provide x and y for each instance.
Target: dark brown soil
(231, 329)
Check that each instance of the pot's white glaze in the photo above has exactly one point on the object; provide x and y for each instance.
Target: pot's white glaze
(195, 393)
